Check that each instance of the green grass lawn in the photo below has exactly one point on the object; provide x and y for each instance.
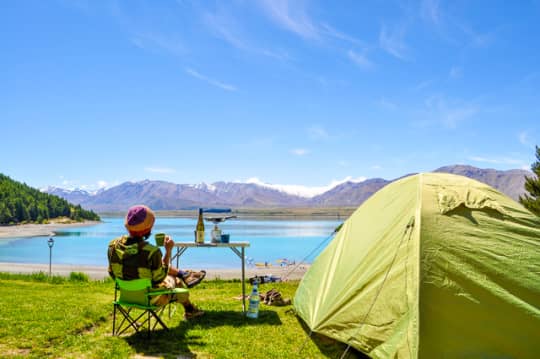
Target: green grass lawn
(72, 318)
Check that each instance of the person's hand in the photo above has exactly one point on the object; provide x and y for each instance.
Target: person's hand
(168, 243)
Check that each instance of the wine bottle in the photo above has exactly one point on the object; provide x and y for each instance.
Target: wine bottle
(199, 230)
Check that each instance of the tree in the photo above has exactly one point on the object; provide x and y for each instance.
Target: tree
(531, 200)
(20, 203)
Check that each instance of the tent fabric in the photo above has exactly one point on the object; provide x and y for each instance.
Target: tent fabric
(432, 266)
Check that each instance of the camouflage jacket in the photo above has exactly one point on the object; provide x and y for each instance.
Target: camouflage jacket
(134, 258)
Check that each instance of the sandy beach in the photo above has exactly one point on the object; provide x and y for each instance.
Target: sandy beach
(36, 230)
(97, 272)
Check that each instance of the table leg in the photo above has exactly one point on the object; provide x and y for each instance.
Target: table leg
(243, 282)
(179, 252)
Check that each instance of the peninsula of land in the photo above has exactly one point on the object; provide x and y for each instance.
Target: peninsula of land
(37, 230)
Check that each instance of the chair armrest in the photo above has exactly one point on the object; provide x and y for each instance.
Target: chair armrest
(167, 291)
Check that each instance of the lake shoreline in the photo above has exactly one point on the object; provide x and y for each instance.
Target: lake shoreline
(38, 230)
(100, 272)
(43, 230)
(278, 213)
(28, 264)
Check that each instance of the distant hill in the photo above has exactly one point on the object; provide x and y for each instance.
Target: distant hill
(511, 182)
(162, 195)
(20, 203)
(349, 194)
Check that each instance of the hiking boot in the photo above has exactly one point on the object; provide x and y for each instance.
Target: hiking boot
(268, 296)
(194, 313)
(273, 297)
(192, 278)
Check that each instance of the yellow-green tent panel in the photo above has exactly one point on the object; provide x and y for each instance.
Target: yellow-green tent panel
(431, 266)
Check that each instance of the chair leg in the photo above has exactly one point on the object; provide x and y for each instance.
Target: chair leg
(158, 320)
(114, 320)
(131, 322)
(149, 324)
(126, 317)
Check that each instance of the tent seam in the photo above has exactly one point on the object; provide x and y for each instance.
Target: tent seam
(418, 219)
(408, 230)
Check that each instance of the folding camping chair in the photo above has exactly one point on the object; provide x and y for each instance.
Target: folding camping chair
(134, 305)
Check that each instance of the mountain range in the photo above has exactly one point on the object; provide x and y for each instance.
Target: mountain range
(161, 195)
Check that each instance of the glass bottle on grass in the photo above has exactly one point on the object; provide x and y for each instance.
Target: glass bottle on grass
(199, 230)
(254, 301)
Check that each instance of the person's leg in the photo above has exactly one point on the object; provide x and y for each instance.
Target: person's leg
(169, 283)
(190, 310)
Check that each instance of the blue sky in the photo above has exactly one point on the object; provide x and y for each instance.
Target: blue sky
(307, 93)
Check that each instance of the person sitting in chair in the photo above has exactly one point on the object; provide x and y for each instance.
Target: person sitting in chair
(132, 257)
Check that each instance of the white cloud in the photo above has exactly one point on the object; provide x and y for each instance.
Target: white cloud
(227, 29)
(73, 185)
(483, 159)
(530, 79)
(422, 85)
(153, 41)
(389, 105)
(210, 81)
(430, 10)
(278, 55)
(304, 191)
(102, 184)
(476, 39)
(451, 117)
(222, 27)
(317, 132)
(159, 170)
(393, 41)
(456, 72)
(292, 16)
(258, 142)
(343, 163)
(299, 151)
(376, 167)
(497, 160)
(449, 113)
(525, 140)
(330, 31)
(360, 60)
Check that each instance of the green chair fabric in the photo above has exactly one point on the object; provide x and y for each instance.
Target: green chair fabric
(132, 299)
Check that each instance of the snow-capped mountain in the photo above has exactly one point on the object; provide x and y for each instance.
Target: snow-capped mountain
(161, 195)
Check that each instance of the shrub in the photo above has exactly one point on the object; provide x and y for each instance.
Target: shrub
(78, 277)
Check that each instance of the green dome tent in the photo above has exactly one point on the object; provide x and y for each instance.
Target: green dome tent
(431, 266)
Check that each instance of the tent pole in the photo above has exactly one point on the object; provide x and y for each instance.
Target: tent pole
(305, 341)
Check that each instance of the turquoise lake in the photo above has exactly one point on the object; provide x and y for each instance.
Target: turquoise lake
(270, 240)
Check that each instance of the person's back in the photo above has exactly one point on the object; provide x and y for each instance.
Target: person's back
(134, 258)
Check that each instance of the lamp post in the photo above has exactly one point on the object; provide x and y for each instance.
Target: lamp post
(50, 243)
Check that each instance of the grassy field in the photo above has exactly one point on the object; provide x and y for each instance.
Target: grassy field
(72, 318)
